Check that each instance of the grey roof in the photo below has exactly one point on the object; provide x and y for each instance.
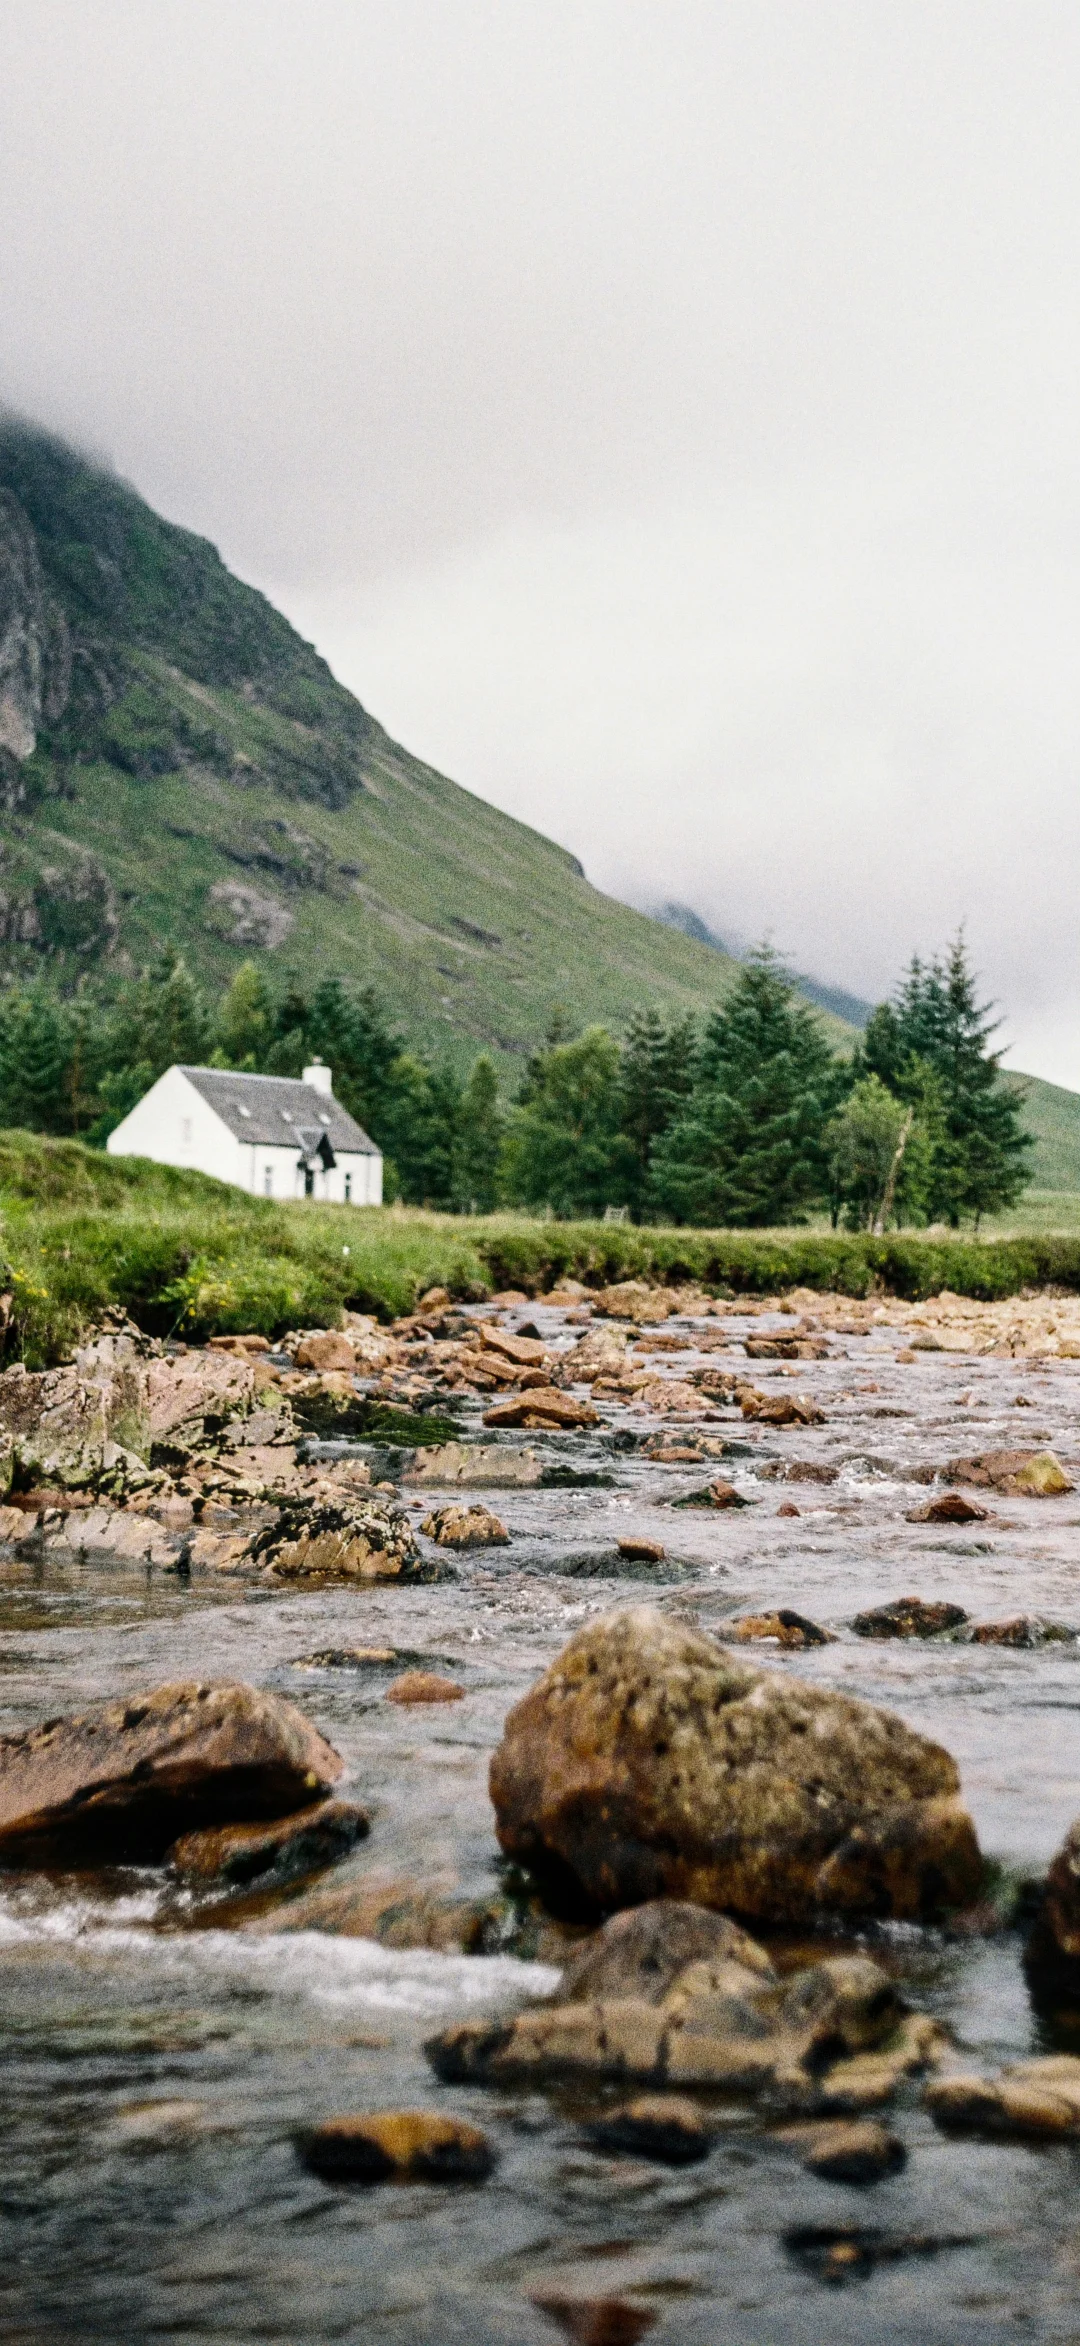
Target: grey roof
(276, 1111)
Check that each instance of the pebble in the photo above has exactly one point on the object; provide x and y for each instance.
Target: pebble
(424, 1686)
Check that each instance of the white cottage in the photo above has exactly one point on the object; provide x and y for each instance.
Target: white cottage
(265, 1133)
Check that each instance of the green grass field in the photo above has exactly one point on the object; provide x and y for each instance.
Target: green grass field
(82, 1234)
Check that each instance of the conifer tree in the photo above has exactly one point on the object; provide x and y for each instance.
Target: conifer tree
(936, 1038)
(478, 1140)
(749, 1148)
(656, 1076)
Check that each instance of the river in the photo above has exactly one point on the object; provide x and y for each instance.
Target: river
(158, 2067)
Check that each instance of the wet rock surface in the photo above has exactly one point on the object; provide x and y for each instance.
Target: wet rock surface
(229, 1855)
(419, 2145)
(120, 1779)
(157, 2076)
(649, 1762)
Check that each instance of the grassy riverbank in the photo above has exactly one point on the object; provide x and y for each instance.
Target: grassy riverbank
(81, 1233)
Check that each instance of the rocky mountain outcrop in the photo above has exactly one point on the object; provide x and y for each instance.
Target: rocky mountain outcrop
(648, 1762)
(35, 646)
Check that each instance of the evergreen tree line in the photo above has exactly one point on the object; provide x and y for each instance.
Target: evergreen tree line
(748, 1119)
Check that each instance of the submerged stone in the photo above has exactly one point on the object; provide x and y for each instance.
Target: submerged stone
(419, 2145)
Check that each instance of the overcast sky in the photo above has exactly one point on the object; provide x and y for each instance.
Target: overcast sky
(666, 416)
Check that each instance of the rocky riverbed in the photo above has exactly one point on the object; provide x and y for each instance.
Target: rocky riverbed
(397, 1533)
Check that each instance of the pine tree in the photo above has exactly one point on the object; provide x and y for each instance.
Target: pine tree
(936, 1036)
(656, 1076)
(478, 1140)
(39, 1042)
(749, 1147)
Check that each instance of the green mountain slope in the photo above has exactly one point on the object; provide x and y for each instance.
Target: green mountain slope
(180, 768)
(1052, 1116)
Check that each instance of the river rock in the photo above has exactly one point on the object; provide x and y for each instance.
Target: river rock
(788, 1628)
(649, 1762)
(645, 1949)
(544, 1405)
(909, 1617)
(665, 2127)
(93, 1424)
(319, 1539)
(424, 1686)
(1018, 1474)
(780, 1409)
(1038, 2099)
(126, 1778)
(325, 1349)
(424, 2145)
(631, 1299)
(951, 1507)
(721, 2025)
(640, 1551)
(236, 1855)
(475, 1466)
(1054, 1948)
(465, 1527)
(862, 2151)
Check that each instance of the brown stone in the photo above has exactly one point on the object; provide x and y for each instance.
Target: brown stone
(780, 1409)
(351, 1539)
(437, 1298)
(952, 1507)
(665, 2127)
(863, 2151)
(639, 1551)
(1019, 1474)
(293, 1846)
(909, 1617)
(644, 1950)
(465, 1527)
(125, 1778)
(723, 1495)
(543, 1406)
(522, 1351)
(788, 1629)
(326, 1350)
(788, 1508)
(1037, 2099)
(648, 1762)
(424, 1686)
(421, 2145)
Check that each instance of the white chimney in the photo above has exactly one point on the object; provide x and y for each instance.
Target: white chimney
(320, 1078)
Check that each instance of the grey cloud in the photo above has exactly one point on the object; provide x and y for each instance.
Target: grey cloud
(662, 410)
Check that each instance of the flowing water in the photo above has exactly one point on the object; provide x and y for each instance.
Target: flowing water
(157, 2066)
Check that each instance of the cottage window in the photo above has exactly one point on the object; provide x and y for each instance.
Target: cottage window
(268, 1180)
(348, 1188)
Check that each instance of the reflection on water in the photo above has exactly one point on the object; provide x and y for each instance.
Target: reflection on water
(156, 2076)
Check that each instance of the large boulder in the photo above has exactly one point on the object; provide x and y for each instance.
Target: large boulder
(124, 1779)
(648, 1762)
